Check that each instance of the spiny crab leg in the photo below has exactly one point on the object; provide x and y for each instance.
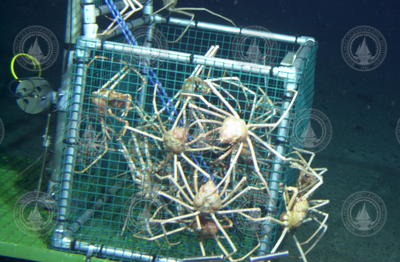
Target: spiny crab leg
(137, 177)
(210, 53)
(255, 163)
(182, 175)
(282, 117)
(128, 4)
(191, 83)
(195, 166)
(156, 112)
(201, 202)
(268, 146)
(220, 96)
(227, 237)
(210, 105)
(322, 226)
(244, 191)
(143, 133)
(105, 135)
(227, 177)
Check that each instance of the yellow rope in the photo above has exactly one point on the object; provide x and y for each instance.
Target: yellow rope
(35, 62)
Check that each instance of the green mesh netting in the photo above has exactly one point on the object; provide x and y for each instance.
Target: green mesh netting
(142, 183)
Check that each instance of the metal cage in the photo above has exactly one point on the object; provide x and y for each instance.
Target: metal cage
(122, 100)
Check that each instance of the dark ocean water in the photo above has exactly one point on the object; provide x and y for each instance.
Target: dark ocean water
(363, 107)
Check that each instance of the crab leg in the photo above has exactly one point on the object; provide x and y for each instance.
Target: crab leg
(221, 229)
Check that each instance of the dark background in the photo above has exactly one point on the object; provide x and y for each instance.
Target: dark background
(362, 106)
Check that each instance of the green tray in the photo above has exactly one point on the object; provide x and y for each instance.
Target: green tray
(13, 241)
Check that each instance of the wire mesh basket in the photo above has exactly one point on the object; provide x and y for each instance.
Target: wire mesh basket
(175, 152)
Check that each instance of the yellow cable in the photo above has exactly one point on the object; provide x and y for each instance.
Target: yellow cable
(35, 62)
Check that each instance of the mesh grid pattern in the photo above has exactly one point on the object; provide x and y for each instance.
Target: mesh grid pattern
(122, 161)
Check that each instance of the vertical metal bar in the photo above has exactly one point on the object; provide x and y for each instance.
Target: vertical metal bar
(147, 11)
(90, 27)
(292, 83)
(276, 174)
(61, 236)
(72, 32)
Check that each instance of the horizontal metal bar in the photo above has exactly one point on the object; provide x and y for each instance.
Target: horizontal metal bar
(202, 259)
(269, 256)
(101, 251)
(234, 30)
(281, 71)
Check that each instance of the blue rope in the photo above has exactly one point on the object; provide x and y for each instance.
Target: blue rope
(166, 101)
(149, 71)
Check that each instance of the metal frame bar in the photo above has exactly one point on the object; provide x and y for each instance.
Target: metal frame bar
(221, 63)
(283, 130)
(73, 31)
(158, 19)
(232, 30)
(100, 251)
(58, 239)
